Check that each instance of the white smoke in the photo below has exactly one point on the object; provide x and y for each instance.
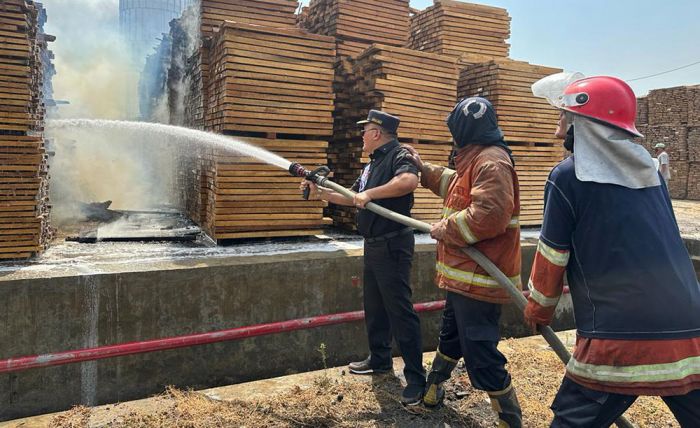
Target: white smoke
(97, 74)
(95, 70)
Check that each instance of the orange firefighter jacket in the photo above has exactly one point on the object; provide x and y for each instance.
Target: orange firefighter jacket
(481, 205)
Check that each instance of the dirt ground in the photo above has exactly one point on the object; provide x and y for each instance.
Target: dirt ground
(688, 217)
(333, 398)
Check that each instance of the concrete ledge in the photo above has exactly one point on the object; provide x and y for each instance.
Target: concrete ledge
(53, 313)
(73, 308)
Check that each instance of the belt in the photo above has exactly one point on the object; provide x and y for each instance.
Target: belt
(389, 235)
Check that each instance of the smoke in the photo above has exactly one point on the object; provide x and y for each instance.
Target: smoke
(185, 40)
(107, 165)
(98, 73)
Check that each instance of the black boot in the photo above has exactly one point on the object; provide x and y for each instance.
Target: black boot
(440, 371)
(505, 402)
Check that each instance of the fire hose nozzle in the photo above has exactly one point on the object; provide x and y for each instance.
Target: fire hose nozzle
(297, 170)
(317, 176)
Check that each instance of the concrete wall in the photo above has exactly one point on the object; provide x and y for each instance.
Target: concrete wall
(49, 314)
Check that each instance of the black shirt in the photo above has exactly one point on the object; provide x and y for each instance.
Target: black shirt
(387, 162)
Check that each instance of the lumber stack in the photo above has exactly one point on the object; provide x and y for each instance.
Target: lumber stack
(694, 105)
(190, 62)
(418, 87)
(270, 13)
(642, 112)
(194, 99)
(675, 138)
(528, 123)
(693, 143)
(248, 199)
(272, 87)
(673, 118)
(271, 80)
(24, 207)
(358, 23)
(693, 191)
(668, 106)
(456, 28)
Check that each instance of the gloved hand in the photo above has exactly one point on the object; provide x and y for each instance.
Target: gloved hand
(533, 318)
(439, 230)
(414, 156)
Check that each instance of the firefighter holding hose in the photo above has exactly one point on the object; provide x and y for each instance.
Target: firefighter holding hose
(609, 226)
(481, 209)
(388, 180)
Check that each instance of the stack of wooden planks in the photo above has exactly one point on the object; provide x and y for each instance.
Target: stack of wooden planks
(270, 13)
(194, 99)
(271, 80)
(418, 87)
(528, 123)
(248, 199)
(272, 87)
(24, 207)
(457, 28)
(208, 16)
(672, 116)
(358, 23)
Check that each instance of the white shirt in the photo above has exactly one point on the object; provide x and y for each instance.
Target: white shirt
(663, 160)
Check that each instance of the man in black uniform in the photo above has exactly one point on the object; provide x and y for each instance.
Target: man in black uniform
(388, 180)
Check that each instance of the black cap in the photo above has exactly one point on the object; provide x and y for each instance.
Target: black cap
(388, 122)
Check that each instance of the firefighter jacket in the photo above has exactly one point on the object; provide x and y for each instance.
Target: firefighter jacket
(635, 294)
(481, 205)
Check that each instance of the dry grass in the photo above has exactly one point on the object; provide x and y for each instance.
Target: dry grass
(342, 401)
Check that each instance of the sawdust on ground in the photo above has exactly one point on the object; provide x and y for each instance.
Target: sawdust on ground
(688, 217)
(338, 400)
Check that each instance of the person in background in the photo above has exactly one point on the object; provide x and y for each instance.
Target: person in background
(664, 165)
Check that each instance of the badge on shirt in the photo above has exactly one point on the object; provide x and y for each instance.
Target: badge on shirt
(364, 177)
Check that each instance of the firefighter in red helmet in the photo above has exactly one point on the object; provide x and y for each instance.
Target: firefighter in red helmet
(609, 226)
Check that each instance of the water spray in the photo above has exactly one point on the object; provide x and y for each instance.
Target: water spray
(520, 301)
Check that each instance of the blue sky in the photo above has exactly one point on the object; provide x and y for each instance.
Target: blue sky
(623, 38)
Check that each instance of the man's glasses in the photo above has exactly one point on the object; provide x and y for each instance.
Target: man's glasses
(362, 133)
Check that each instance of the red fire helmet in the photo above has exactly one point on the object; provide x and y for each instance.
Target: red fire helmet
(607, 99)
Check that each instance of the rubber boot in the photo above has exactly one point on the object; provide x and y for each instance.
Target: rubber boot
(440, 371)
(505, 402)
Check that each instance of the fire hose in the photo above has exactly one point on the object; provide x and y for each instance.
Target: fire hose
(319, 177)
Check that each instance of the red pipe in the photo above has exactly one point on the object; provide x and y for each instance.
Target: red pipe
(130, 348)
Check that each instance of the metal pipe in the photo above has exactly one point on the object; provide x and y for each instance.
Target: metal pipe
(130, 348)
(142, 347)
(516, 294)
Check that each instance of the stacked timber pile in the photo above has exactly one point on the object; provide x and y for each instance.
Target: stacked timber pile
(247, 199)
(189, 79)
(194, 99)
(693, 192)
(271, 87)
(270, 13)
(528, 123)
(475, 32)
(24, 205)
(259, 77)
(271, 80)
(358, 23)
(419, 88)
(673, 118)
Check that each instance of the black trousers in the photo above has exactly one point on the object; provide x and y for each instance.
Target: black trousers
(581, 407)
(470, 330)
(389, 312)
